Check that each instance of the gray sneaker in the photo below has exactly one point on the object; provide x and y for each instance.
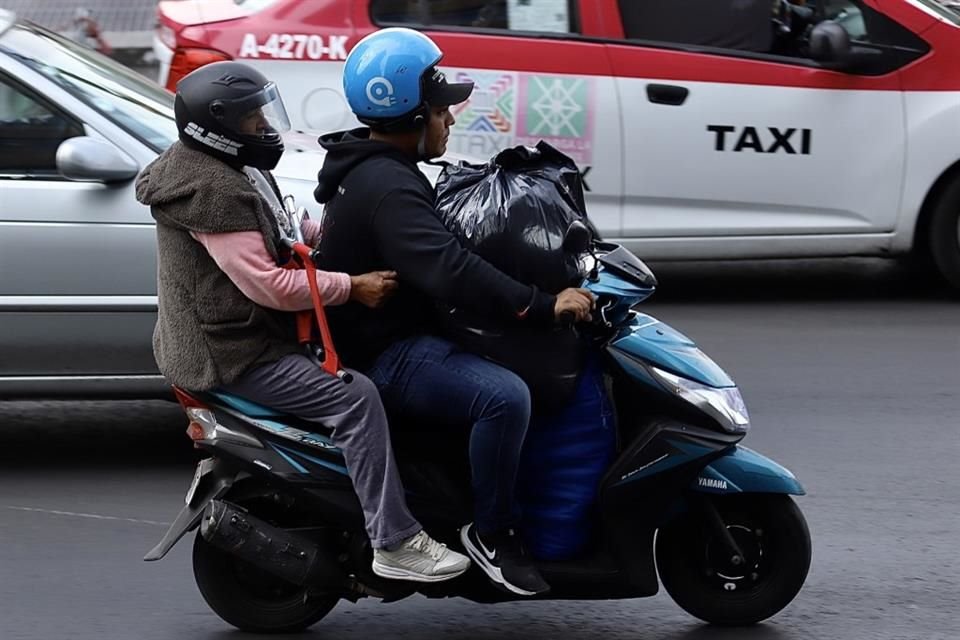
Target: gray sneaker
(419, 558)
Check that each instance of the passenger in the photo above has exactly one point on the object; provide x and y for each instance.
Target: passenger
(380, 215)
(226, 309)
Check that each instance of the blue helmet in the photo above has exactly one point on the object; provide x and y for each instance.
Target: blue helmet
(391, 80)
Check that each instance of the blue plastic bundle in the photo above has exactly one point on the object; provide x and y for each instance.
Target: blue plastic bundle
(565, 457)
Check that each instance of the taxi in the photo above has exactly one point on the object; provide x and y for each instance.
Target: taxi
(704, 129)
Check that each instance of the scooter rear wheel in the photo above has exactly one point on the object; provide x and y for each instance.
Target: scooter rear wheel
(251, 599)
(698, 572)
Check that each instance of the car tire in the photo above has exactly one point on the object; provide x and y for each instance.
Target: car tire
(944, 235)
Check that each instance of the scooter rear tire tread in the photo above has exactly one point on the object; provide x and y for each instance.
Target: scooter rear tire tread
(215, 573)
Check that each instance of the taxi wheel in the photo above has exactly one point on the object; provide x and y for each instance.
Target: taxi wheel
(945, 235)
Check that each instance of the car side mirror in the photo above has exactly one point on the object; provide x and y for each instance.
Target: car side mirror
(829, 42)
(830, 45)
(577, 238)
(85, 158)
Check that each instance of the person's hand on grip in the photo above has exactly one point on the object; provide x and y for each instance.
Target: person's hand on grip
(575, 304)
(374, 288)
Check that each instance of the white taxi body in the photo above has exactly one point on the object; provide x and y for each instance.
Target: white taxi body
(704, 129)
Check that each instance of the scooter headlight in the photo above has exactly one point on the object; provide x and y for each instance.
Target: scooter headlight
(724, 404)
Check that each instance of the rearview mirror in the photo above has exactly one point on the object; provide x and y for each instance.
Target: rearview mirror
(85, 158)
(830, 45)
(577, 238)
(829, 42)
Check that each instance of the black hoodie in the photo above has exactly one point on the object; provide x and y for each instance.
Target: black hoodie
(380, 215)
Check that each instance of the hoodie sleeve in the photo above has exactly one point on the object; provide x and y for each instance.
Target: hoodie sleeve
(424, 253)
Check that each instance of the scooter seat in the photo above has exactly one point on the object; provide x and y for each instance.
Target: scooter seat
(246, 407)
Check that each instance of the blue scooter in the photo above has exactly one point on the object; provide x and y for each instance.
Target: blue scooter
(281, 537)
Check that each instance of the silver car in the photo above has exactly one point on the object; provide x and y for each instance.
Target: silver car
(77, 251)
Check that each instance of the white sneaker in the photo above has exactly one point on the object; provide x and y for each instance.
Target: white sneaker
(421, 559)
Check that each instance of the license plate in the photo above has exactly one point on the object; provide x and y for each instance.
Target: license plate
(202, 469)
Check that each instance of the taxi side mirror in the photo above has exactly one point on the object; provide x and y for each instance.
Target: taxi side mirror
(829, 42)
(830, 45)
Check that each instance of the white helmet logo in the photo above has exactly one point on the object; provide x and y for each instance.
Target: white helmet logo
(380, 92)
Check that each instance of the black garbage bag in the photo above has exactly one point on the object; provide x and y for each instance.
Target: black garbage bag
(514, 211)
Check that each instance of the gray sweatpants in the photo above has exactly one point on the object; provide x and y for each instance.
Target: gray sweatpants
(297, 385)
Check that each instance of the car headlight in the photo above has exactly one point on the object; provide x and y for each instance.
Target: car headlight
(725, 404)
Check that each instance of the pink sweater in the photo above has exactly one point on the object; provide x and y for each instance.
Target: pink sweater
(245, 259)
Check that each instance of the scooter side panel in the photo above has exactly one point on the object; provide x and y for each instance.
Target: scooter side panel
(642, 488)
(742, 470)
(244, 406)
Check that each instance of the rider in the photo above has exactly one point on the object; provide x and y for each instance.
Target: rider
(226, 309)
(380, 215)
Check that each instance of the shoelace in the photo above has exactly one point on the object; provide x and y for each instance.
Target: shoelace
(425, 544)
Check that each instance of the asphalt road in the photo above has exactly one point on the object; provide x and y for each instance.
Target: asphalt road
(850, 371)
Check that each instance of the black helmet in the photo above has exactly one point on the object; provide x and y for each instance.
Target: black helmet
(232, 112)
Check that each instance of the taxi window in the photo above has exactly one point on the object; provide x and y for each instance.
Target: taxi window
(254, 6)
(30, 132)
(866, 25)
(551, 16)
(776, 27)
(949, 9)
(745, 25)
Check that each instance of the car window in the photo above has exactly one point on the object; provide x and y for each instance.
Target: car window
(864, 24)
(949, 9)
(30, 132)
(746, 25)
(848, 15)
(776, 27)
(130, 100)
(554, 16)
(254, 6)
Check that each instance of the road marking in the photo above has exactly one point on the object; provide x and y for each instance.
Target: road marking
(92, 516)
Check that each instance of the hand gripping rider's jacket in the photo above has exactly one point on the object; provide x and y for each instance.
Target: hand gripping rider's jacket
(216, 180)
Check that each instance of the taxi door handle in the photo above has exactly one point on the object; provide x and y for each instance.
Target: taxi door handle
(669, 94)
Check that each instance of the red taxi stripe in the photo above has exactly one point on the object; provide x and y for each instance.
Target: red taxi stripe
(597, 57)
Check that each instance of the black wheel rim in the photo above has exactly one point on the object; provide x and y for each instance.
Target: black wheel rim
(749, 574)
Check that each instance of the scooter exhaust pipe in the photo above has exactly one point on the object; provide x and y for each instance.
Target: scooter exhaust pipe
(289, 556)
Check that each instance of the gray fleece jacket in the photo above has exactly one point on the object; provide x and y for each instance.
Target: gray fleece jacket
(208, 332)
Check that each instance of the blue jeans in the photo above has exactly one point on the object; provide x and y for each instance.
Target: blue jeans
(432, 379)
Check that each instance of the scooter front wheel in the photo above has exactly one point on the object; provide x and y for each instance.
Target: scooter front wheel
(707, 581)
(251, 599)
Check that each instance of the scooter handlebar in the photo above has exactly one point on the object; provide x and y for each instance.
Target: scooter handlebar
(566, 319)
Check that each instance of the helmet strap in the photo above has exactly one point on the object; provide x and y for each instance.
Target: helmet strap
(422, 144)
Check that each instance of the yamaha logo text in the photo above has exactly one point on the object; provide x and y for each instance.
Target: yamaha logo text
(711, 483)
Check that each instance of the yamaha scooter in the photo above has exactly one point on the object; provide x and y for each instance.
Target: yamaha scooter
(280, 537)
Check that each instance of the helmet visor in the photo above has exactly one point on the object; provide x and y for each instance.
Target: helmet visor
(256, 114)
